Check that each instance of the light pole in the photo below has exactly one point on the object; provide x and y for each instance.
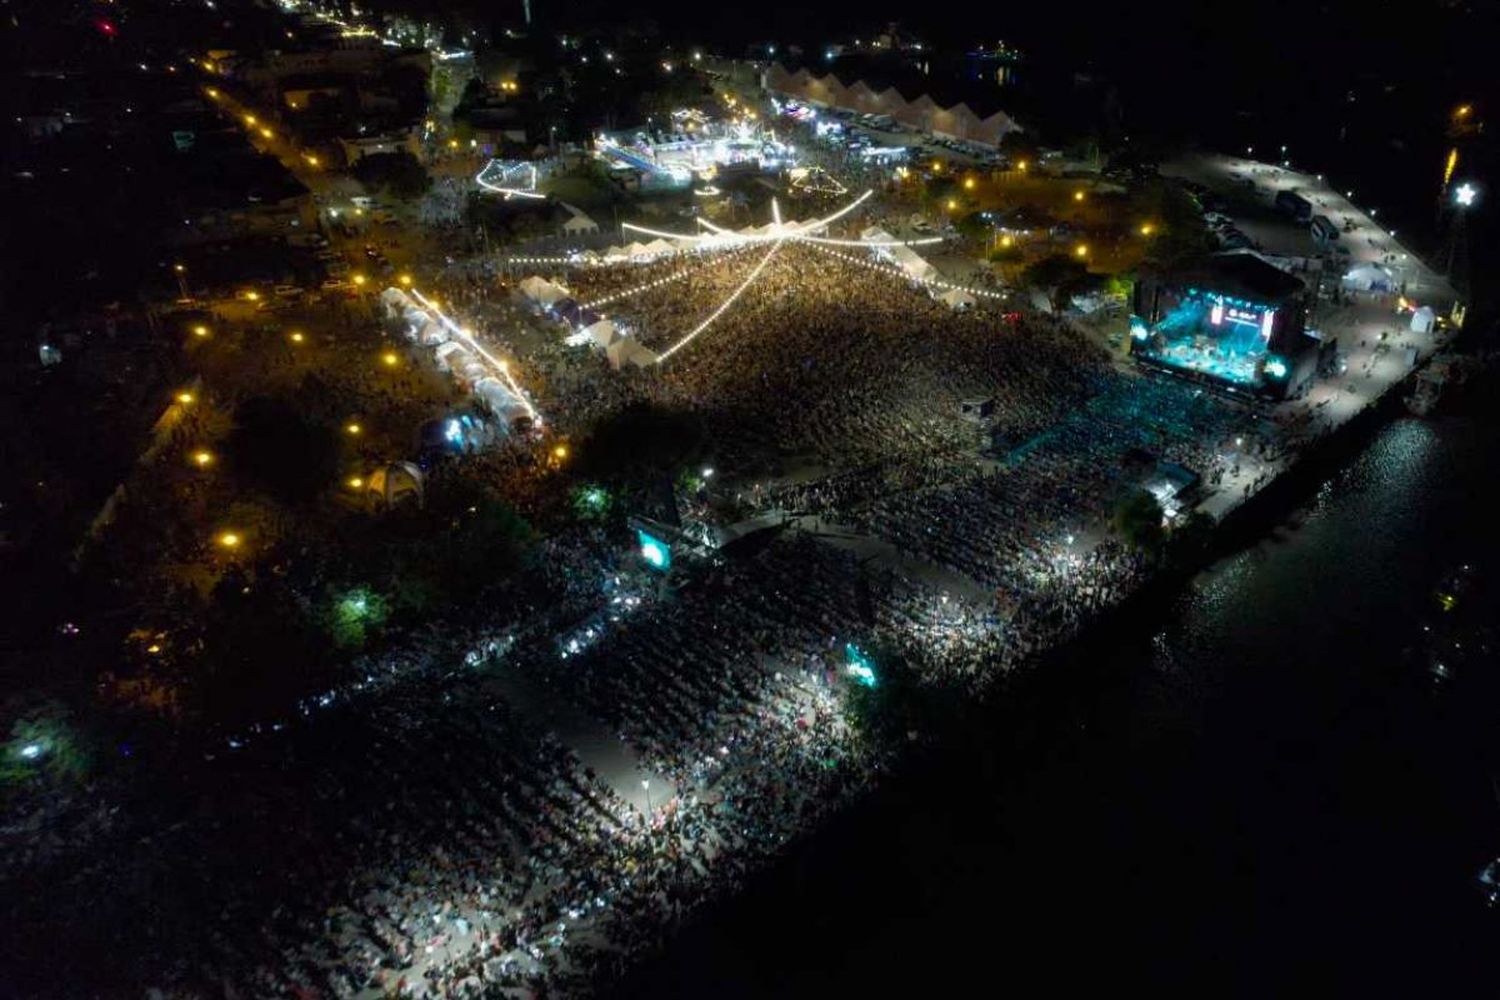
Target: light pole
(1464, 198)
(646, 787)
(181, 280)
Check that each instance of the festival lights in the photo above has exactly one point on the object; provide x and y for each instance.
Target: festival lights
(648, 286)
(496, 174)
(929, 282)
(724, 305)
(468, 338)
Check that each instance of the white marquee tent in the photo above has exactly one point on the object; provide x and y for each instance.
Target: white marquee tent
(542, 291)
(1368, 277)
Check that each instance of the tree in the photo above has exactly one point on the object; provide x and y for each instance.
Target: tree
(973, 226)
(1182, 234)
(275, 448)
(940, 188)
(398, 174)
(43, 746)
(353, 615)
(1191, 538)
(1138, 521)
(643, 441)
(1062, 276)
(895, 703)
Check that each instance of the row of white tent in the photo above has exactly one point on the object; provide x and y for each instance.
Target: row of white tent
(619, 347)
(454, 357)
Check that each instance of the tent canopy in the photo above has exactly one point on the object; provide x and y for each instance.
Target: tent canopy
(1368, 277)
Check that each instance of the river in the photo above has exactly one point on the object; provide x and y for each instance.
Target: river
(1241, 790)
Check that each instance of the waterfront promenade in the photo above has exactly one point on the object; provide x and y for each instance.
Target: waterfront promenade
(1377, 342)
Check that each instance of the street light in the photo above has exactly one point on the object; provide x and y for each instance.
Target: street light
(390, 359)
(646, 787)
(353, 429)
(229, 540)
(1465, 195)
(1081, 250)
(184, 398)
(297, 337)
(200, 330)
(203, 458)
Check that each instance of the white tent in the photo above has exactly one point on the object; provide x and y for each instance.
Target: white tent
(957, 298)
(903, 257)
(450, 355)
(429, 331)
(602, 333)
(578, 222)
(629, 351)
(542, 291)
(396, 302)
(1422, 319)
(1368, 277)
(500, 401)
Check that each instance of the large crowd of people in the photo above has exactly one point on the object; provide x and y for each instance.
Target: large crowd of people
(429, 837)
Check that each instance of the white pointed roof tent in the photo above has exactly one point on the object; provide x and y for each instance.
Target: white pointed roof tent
(578, 222)
(902, 256)
(602, 333)
(1368, 277)
(542, 291)
(957, 298)
(629, 351)
(1422, 319)
(396, 482)
(503, 404)
(444, 354)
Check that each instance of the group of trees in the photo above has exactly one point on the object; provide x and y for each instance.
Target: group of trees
(400, 175)
(1063, 277)
(1139, 521)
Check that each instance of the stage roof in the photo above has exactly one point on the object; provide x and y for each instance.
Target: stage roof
(1243, 274)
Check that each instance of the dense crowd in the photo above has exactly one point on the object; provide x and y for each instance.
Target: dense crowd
(433, 836)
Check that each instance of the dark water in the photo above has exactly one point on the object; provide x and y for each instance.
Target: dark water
(1241, 792)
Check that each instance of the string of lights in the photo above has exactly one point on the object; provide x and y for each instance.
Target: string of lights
(900, 273)
(648, 286)
(500, 366)
(507, 190)
(724, 305)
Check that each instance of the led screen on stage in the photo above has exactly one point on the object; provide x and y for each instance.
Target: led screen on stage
(1208, 332)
